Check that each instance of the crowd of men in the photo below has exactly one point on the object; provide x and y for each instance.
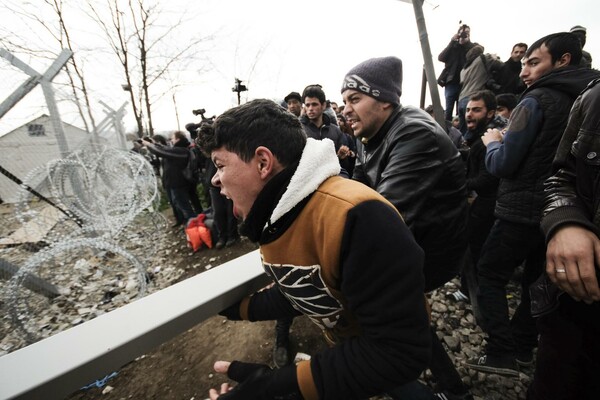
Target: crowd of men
(362, 210)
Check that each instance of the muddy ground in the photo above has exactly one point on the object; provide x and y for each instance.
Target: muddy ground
(182, 368)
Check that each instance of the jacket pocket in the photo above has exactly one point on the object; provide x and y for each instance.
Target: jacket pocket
(587, 147)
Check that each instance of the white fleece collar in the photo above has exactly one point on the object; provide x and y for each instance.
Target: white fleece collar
(317, 163)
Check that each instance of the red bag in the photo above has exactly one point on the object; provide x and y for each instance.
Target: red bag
(197, 233)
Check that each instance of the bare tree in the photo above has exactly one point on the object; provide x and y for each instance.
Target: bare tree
(148, 52)
(119, 43)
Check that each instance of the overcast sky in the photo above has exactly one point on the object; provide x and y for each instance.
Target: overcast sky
(279, 46)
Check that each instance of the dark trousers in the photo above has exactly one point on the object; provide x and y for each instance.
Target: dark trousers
(451, 92)
(441, 366)
(282, 329)
(443, 369)
(480, 222)
(568, 357)
(507, 246)
(176, 212)
(194, 199)
(223, 217)
(414, 390)
(180, 198)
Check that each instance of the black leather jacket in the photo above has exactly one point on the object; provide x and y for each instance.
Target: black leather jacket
(413, 163)
(573, 192)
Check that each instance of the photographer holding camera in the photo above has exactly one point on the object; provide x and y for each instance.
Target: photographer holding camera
(454, 56)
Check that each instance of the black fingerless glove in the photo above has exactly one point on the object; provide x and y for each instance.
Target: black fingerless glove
(259, 382)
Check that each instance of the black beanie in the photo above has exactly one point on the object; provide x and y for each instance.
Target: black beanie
(380, 78)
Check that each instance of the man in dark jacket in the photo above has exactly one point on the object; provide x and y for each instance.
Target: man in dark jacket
(337, 252)
(522, 158)
(581, 33)
(568, 357)
(174, 160)
(508, 76)
(319, 125)
(294, 103)
(453, 57)
(481, 185)
(409, 159)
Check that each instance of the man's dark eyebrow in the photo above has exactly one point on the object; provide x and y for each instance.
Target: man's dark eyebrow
(530, 59)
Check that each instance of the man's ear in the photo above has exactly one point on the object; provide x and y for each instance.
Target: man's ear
(563, 61)
(386, 106)
(265, 161)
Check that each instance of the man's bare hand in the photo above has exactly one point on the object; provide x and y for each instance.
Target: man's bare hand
(571, 257)
(492, 135)
(343, 152)
(221, 367)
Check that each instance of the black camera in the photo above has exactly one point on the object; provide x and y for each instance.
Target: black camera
(463, 34)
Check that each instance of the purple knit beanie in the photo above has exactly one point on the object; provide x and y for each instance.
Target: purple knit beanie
(380, 78)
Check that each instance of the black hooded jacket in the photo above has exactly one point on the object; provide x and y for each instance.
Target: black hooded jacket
(521, 195)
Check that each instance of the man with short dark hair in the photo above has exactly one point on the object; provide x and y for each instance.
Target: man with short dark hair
(319, 125)
(506, 104)
(409, 159)
(481, 185)
(337, 251)
(508, 76)
(581, 33)
(334, 107)
(521, 157)
(294, 103)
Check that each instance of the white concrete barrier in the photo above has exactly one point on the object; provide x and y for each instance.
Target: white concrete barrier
(57, 366)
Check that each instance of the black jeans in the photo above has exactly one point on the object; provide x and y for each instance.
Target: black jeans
(507, 246)
(568, 357)
(223, 217)
(480, 222)
(180, 197)
(194, 199)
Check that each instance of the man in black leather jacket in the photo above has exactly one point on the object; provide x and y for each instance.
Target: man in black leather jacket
(568, 358)
(409, 159)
